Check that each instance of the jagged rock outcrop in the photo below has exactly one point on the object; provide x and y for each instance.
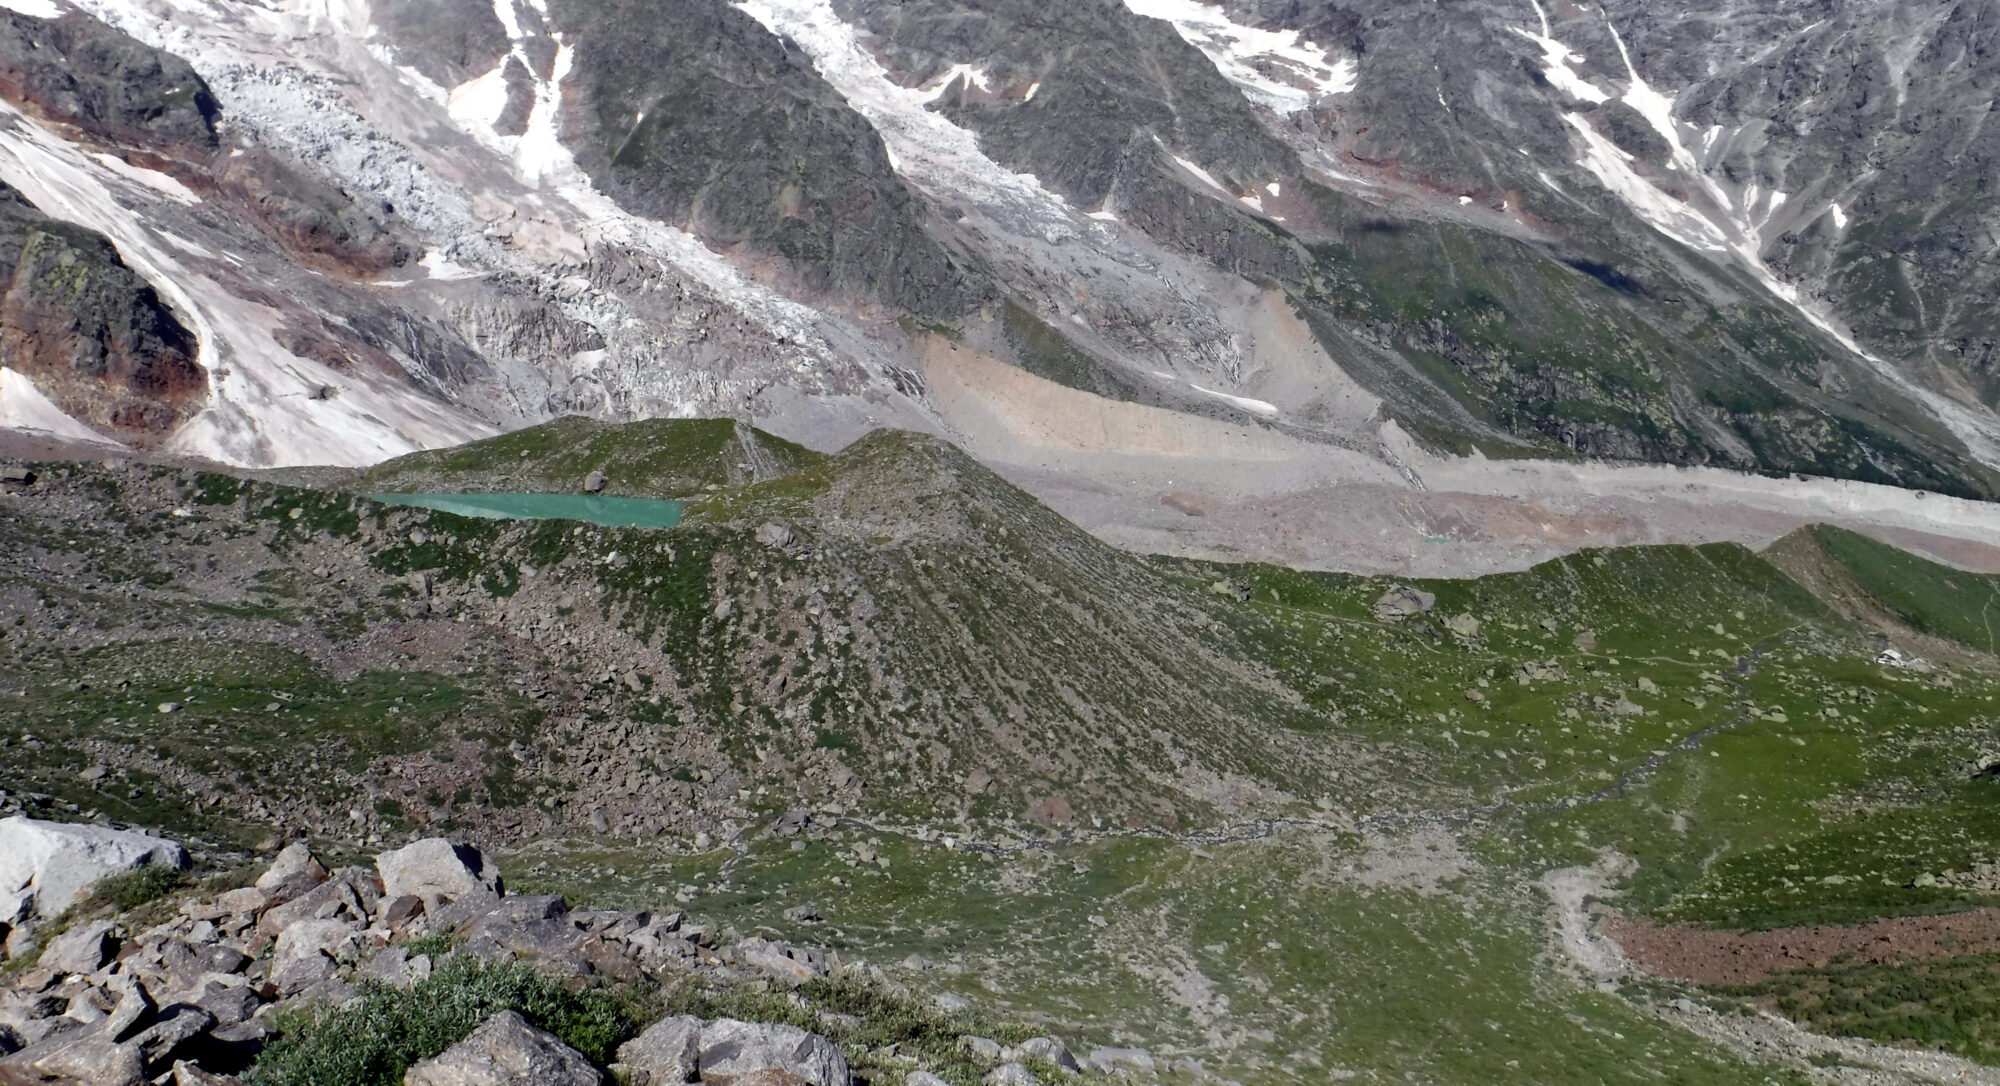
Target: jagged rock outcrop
(94, 336)
(699, 115)
(80, 72)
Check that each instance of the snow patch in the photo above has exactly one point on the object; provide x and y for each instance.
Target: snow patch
(1556, 59)
(971, 73)
(152, 179)
(23, 407)
(441, 267)
(1839, 217)
(1248, 56)
(1255, 407)
(480, 102)
(1613, 168)
(1274, 189)
(34, 9)
(1206, 177)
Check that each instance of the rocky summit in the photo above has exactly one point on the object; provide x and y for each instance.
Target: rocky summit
(994, 543)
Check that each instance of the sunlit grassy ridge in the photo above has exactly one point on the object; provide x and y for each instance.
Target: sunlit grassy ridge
(659, 458)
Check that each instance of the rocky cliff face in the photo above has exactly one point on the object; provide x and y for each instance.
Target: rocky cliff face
(691, 112)
(88, 330)
(77, 71)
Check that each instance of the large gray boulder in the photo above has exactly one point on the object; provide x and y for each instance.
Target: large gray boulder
(86, 1058)
(506, 1051)
(45, 867)
(82, 949)
(1402, 602)
(1011, 1074)
(435, 870)
(667, 1054)
(747, 1052)
(294, 872)
(1049, 1050)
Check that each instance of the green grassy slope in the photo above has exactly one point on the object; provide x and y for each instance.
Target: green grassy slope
(660, 458)
(1312, 836)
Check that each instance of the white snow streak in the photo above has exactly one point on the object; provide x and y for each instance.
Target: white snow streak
(35, 9)
(1255, 407)
(1839, 217)
(1247, 55)
(1206, 177)
(923, 146)
(23, 407)
(152, 179)
(478, 104)
(1556, 59)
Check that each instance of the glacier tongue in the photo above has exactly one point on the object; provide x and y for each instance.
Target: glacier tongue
(510, 224)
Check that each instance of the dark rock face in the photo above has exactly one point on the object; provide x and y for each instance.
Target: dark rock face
(697, 115)
(449, 41)
(94, 336)
(313, 220)
(1884, 109)
(1101, 75)
(78, 71)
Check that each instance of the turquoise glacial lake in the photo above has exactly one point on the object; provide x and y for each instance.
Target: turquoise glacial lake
(594, 508)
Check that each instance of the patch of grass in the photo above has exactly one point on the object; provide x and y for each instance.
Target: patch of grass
(1923, 595)
(137, 887)
(654, 458)
(1951, 1004)
(375, 1040)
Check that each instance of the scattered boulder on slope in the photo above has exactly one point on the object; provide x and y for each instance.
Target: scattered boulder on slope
(1402, 602)
(506, 1051)
(737, 1053)
(436, 871)
(293, 873)
(667, 1054)
(81, 950)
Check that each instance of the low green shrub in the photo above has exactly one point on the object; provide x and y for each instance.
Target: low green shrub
(139, 886)
(374, 1040)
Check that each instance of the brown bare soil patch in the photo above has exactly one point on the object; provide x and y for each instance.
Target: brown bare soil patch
(1702, 956)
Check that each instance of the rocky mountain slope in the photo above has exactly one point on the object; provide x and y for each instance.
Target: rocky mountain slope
(1542, 231)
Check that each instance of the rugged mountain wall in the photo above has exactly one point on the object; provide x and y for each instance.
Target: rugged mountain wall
(92, 334)
(697, 115)
(77, 71)
(1529, 230)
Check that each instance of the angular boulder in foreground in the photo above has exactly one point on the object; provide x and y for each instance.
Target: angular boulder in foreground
(45, 867)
